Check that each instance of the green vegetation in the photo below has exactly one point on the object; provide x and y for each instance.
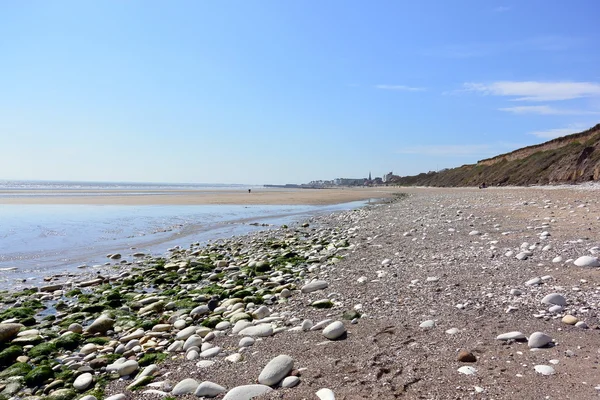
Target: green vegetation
(43, 349)
(16, 369)
(9, 355)
(69, 341)
(21, 313)
(151, 358)
(575, 158)
(98, 340)
(38, 375)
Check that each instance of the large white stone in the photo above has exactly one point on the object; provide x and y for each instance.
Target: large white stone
(83, 381)
(314, 286)
(260, 330)
(246, 342)
(261, 312)
(587, 261)
(88, 348)
(515, 335)
(193, 340)
(325, 394)
(334, 330)
(209, 389)
(240, 325)
(186, 386)
(212, 352)
(200, 310)
(538, 339)
(102, 324)
(544, 369)
(427, 324)
(290, 381)
(247, 392)
(277, 369)
(185, 333)
(554, 299)
(127, 368)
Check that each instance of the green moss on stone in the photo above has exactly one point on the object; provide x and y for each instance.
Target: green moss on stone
(38, 376)
(9, 355)
(17, 312)
(68, 342)
(151, 358)
(43, 349)
(98, 340)
(16, 369)
(211, 322)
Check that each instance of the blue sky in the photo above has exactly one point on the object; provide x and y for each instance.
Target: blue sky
(280, 91)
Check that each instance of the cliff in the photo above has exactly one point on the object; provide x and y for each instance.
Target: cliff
(568, 159)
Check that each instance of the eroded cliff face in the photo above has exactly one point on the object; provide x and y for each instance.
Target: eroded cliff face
(569, 159)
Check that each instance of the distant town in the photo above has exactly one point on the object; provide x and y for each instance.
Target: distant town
(385, 180)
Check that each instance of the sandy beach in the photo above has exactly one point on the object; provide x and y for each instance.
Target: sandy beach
(441, 294)
(259, 196)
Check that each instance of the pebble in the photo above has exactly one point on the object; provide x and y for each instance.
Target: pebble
(314, 286)
(582, 325)
(515, 335)
(205, 364)
(429, 324)
(246, 342)
(185, 333)
(533, 282)
(127, 368)
(466, 356)
(334, 330)
(544, 369)
(538, 339)
(119, 396)
(186, 386)
(260, 330)
(277, 369)
(325, 394)
(587, 262)
(467, 370)
(554, 299)
(83, 381)
(247, 392)
(209, 389)
(212, 352)
(569, 319)
(290, 381)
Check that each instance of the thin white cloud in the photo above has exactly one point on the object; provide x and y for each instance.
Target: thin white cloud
(536, 91)
(402, 88)
(501, 9)
(558, 132)
(546, 110)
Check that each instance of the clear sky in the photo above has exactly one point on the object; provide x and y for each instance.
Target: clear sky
(286, 91)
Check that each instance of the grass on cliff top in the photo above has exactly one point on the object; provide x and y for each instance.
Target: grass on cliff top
(570, 163)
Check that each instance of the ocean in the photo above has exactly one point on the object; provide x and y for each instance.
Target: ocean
(42, 240)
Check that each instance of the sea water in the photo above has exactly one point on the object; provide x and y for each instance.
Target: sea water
(41, 240)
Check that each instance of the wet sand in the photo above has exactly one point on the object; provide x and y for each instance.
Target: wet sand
(260, 196)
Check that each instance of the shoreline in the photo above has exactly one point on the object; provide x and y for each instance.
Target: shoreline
(196, 197)
(144, 231)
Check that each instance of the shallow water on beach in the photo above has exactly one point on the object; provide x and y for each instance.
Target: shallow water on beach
(41, 240)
